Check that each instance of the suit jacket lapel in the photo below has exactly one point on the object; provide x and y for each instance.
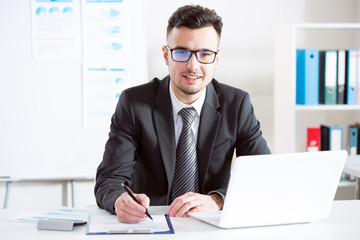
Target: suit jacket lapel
(164, 125)
(209, 124)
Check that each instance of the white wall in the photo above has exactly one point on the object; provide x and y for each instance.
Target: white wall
(247, 63)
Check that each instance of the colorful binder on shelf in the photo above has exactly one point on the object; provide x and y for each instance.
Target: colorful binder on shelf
(325, 134)
(353, 140)
(351, 81)
(336, 138)
(357, 125)
(358, 75)
(313, 139)
(341, 76)
(321, 76)
(330, 77)
(353, 145)
(307, 76)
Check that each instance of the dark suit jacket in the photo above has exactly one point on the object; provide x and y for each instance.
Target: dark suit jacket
(141, 146)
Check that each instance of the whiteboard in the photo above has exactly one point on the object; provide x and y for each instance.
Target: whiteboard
(42, 134)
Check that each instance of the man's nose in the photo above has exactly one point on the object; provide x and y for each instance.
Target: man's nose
(193, 63)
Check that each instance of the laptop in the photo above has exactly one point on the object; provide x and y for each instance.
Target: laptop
(278, 189)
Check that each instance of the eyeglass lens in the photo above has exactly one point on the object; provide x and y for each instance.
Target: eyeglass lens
(184, 56)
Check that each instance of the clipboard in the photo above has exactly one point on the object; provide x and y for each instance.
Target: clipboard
(109, 224)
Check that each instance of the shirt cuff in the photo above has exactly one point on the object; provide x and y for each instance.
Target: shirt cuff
(222, 195)
(115, 202)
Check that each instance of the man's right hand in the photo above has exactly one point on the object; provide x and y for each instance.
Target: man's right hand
(129, 211)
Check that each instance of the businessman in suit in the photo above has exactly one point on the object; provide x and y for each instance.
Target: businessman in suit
(148, 129)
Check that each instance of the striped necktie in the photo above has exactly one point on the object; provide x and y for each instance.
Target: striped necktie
(186, 177)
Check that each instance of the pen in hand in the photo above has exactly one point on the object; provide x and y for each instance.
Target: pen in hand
(128, 190)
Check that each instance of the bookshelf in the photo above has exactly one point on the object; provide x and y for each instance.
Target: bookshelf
(291, 120)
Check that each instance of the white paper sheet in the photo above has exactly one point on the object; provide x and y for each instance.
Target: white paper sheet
(105, 224)
(61, 213)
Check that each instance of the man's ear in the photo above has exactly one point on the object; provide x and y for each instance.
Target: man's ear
(218, 56)
(165, 54)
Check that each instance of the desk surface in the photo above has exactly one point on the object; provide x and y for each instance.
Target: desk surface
(352, 166)
(343, 223)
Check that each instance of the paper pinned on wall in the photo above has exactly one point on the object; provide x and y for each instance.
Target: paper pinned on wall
(105, 29)
(56, 29)
(102, 85)
(114, 56)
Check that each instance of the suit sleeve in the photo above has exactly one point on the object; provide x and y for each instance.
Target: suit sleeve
(250, 140)
(119, 156)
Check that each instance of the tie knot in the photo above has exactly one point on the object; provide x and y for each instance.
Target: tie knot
(188, 114)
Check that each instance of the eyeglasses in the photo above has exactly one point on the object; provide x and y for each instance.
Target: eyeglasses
(183, 55)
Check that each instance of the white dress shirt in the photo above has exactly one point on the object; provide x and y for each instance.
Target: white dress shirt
(177, 105)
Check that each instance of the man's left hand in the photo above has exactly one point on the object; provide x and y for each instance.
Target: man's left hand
(195, 202)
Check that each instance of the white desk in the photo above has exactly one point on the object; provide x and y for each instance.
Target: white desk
(352, 167)
(72, 180)
(343, 223)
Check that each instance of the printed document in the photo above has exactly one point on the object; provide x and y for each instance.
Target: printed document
(108, 224)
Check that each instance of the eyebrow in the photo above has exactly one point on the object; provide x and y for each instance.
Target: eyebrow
(203, 49)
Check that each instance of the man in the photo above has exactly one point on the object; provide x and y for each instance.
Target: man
(150, 146)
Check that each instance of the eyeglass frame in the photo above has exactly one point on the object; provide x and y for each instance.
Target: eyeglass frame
(191, 53)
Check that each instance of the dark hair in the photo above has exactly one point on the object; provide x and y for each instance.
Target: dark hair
(194, 17)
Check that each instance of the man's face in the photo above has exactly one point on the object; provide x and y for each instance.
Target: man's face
(188, 79)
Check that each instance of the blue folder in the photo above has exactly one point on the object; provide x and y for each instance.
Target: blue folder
(353, 140)
(307, 76)
(351, 81)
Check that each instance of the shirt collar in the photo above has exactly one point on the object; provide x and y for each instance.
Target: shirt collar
(177, 105)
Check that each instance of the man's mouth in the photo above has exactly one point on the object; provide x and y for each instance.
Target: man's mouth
(192, 77)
